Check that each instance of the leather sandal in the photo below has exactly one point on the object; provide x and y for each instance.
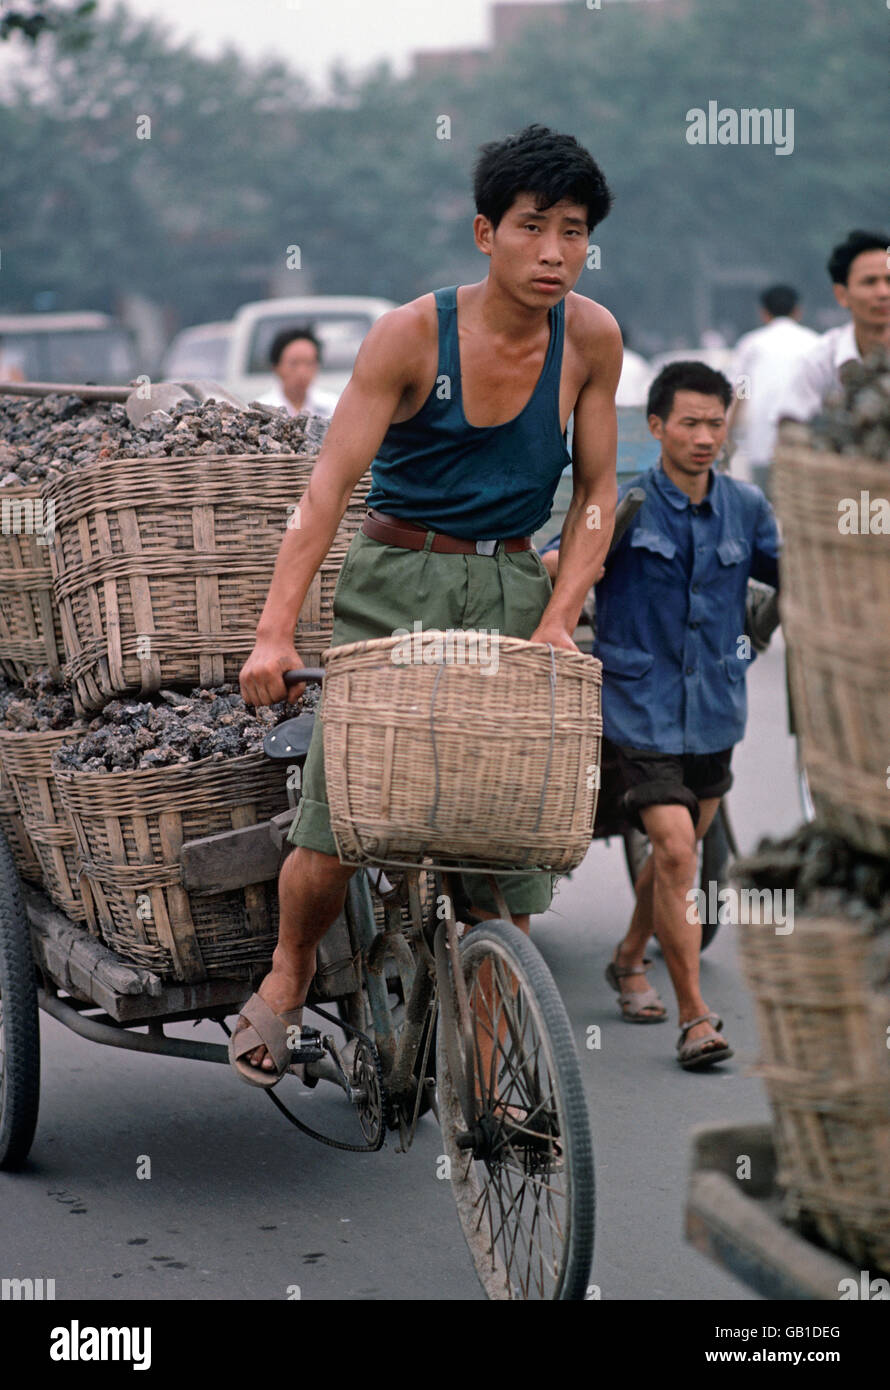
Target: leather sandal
(634, 1002)
(266, 1029)
(703, 1052)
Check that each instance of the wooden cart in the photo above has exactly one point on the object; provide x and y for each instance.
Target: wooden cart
(737, 1221)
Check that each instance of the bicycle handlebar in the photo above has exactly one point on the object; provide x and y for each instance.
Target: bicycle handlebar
(625, 512)
(307, 674)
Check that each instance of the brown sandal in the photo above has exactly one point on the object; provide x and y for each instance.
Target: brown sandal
(634, 1002)
(266, 1029)
(704, 1052)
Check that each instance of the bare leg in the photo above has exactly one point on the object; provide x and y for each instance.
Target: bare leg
(311, 893)
(484, 1030)
(662, 907)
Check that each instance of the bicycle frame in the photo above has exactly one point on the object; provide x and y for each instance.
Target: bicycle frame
(428, 984)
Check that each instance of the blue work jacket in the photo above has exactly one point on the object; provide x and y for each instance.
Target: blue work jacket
(670, 614)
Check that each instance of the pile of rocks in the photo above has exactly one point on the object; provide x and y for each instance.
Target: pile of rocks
(856, 419)
(815, 861)
(215, 723)
(37, 706)
(42, 438)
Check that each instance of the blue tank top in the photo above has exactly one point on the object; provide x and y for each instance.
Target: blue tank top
(475, 482)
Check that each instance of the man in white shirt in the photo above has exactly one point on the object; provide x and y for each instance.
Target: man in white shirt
(860, 275)
(636, 377)
(296, 356)
(765, 364)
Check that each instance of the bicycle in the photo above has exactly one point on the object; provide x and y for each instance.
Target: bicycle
(441, 1012)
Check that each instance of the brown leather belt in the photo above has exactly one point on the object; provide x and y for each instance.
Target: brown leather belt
(394, 530)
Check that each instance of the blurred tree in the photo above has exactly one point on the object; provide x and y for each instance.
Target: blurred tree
(134, 164)
(31, 18)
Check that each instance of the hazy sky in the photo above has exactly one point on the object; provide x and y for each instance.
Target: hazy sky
(310, 34)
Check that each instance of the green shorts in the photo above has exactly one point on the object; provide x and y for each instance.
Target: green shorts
(384, 587)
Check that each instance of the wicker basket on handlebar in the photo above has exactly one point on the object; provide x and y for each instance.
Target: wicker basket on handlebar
(130, 827)
(462, 748)
(835, 605)
(27, 762)
(162, 567)
(30, 630)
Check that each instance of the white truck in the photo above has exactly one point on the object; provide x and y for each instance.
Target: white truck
(340, 322)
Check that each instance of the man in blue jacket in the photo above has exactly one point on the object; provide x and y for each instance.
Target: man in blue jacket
(670, 619)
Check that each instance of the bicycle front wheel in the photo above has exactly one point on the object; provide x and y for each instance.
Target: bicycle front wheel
(522, 1175)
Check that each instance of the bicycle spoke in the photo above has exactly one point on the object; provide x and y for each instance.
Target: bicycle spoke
(525, 1228)
(517, 1174)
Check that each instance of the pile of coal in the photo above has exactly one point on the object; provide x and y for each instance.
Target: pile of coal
(815, 861)
(42, 438)
(36, 706)
(856, 419)
(213, 723)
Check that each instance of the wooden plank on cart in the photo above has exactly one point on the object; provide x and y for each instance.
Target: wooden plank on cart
(232, 859)
(61, 941)
(738, 1222)
(127, 993)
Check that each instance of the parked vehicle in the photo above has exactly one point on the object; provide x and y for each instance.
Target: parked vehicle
(199, 353)
(339, 321)
(87, 347)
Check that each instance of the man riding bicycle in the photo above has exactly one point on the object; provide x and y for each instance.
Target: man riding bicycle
(459, 402)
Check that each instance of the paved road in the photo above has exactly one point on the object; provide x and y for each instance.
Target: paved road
(240, 1205)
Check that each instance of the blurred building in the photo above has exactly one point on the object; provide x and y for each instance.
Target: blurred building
(508, 20)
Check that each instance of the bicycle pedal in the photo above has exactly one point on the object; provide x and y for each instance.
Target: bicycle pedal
(305, 1044)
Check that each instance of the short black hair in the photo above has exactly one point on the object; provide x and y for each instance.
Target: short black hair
(540, 161)
(779, 300)
(685, 376)
(844, 254)
(288, 336)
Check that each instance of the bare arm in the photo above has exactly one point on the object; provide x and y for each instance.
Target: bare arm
(587, 529)
(382, 372)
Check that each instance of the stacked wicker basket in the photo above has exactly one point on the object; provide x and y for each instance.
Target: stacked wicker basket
(823, 990)
(835, 606)
(27, 763)
(30, 632)
(156, 577)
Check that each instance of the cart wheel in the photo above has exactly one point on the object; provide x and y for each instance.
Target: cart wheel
(714, 854)
(19, 1027)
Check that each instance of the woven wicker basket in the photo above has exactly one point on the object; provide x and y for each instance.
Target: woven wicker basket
(27, 760)
(486, 762)
(13, 828)
(835, 606)
(823, 1009)
(130, 826)
(30, 632)
(162, 568)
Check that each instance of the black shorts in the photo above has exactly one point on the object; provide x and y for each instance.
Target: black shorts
(634, 778)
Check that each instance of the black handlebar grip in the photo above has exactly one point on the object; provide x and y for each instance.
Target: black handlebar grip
(307, 673)
(625, 512)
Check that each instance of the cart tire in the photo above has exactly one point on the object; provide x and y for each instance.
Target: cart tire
(19, 1022)
(715, 856)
